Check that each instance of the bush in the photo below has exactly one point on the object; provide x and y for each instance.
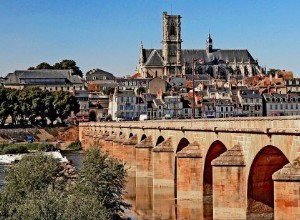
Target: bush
(76, 145)
(14, 149)
(46, 147)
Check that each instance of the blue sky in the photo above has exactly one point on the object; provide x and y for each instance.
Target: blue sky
(106, 34)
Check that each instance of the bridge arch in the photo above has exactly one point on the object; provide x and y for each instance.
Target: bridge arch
(143, 137)
(214, 151)
(182, 144)
(160, 139)
(260, 190)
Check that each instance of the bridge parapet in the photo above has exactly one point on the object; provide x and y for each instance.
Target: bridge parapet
(266, 125)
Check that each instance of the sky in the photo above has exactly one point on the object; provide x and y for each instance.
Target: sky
(106, 34)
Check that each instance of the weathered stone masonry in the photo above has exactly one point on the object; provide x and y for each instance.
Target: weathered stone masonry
(188, 156)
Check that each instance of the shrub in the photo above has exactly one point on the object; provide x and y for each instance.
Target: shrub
(46, 147)
(15, 149)
(76, 145)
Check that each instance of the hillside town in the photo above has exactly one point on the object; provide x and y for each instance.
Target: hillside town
(173, 83)
(102, 96)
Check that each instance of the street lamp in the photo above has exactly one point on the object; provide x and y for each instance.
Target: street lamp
(193, 82)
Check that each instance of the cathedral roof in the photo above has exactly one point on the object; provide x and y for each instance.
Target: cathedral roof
(153, 57)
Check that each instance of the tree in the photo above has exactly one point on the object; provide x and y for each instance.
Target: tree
(63, 65)
(69, 64)
(64, 104)
(108, 91)
(272, 72)
(43, 66)
(141, 90)
(92, 116)
(38, 188)
(103, 177)
(9, 104)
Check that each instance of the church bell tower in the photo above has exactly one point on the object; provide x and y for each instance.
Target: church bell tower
(171, 44)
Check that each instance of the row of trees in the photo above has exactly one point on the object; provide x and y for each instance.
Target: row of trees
(38, 188)
(32, 103)
(63, 65)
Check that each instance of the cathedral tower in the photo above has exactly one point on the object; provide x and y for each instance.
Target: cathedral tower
(209, 44)
(171, 44)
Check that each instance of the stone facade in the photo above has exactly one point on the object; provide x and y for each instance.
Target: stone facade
(172, 60)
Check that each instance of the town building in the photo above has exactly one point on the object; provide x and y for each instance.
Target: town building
(51, 80)
(224, 108)
(173, 106)
(126, 105)
(251, 102)
(281, 104)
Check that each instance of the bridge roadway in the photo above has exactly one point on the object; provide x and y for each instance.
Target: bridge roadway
(235, 160)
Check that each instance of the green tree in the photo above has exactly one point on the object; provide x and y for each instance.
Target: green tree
(43, 66)
(272, 71)
(64, 104)
(108, 91)
(9, 104)
(104, 177)
(69, 64)
(38, 188)
(141, 90)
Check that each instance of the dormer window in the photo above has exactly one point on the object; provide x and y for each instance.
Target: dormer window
(94, 77)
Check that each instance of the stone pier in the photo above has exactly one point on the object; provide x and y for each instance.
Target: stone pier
(230, 184)
(163, 164)
(287, 191)
(129, 155)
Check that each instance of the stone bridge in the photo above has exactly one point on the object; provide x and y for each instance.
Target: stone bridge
(237, 161)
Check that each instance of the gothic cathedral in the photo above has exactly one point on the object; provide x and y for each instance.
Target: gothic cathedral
(172, 61)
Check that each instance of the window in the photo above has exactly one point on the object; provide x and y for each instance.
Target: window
(94, 77)
(121, 107)
(271, 107)
(172, 29)
(276, 106)
(292, 106)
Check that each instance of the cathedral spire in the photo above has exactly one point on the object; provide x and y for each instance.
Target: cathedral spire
(209, 44)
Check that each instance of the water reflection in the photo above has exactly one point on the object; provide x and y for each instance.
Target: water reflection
(160, 203)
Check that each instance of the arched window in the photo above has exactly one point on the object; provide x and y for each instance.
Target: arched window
(172, 29)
